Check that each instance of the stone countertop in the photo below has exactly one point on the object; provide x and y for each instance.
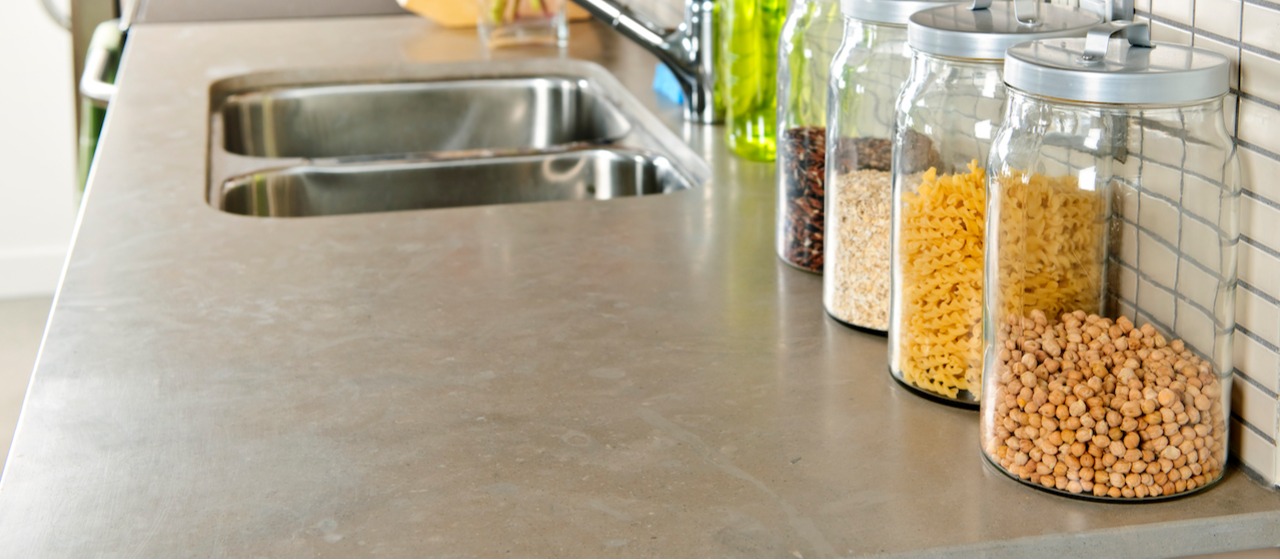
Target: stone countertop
(634, 377)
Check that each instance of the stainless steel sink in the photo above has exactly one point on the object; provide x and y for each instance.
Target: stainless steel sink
(589, 174)
(350, 141)
(448, 115)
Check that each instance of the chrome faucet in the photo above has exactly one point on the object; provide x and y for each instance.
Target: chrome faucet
(687, 49)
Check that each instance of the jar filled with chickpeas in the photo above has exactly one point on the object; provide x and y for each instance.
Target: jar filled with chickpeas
(867, 74)
(1110, 268)
(947, 114)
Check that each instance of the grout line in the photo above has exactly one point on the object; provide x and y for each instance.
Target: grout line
(1265, 390)
(1261, 247)
(1258, 292)
(1258, 338)
(1173, 249)
(1268, 438)
(1262, 199)
(1263, 3)
(1260, 101)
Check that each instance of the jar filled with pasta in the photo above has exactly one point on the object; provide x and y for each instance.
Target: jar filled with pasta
(947, 115)
(867, 74)
(809, 39)
(1110, 286)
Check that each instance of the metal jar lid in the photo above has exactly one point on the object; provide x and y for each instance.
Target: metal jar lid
(1101, 69)
(986, 30)
(894, 12)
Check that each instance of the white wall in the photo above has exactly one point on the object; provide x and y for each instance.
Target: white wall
(37, 149)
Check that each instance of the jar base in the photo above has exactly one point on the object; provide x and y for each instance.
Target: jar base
(792, 264)
(986, 459)
(967, 405)
(856, 326)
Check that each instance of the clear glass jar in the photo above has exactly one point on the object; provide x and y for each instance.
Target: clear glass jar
(867, 74)
(1110, 293)
(948, 114)
(750, 75)
(810, 36)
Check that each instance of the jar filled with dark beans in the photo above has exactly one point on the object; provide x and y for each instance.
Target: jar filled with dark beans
(810, 36)
(801, 166)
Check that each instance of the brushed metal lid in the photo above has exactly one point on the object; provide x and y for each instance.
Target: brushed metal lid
(889, 11)
(979, 32)
(1123, 72)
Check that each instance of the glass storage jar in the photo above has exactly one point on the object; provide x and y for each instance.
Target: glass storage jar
(751, 30)
(867, 74)
(810, 37)
(949, 110)
(1111, 270)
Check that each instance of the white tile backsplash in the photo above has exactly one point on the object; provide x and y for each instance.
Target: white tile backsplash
(1260, 221)
(1260, 174)
(1260, 316)
(1248, 33)
(1258, 362)
(1252, 404)
(1168, 33)
(1261, 27)
(1258, 125)
(1255, 451)
(1179, 11)
(1260, 76)
(1221, 17)
(1259, 269)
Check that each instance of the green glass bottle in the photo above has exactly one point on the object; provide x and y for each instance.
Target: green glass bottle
(749, 69)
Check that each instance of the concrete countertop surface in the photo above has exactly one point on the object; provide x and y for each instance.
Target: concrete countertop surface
(633, 377)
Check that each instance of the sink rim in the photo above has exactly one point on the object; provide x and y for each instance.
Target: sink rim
(661, 163)
(647, 131)
(238, 109)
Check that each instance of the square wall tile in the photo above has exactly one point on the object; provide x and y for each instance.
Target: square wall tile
(1201, 243)
(1167, 33)
(1260, 174)
(1255, 452)
(1203, 198)
(1261, 27)
(1180, 11)
(1259, 269)
(1260, 222)
(1260, 316)
(1156, 260)
(1155, 304)
(1260, 77)
(1197, 329)
(1260, 125)
(1257, 361)
(1257, 408)
(1161, 178)
(1197, 285)
(1160, 217)
(1220, 17)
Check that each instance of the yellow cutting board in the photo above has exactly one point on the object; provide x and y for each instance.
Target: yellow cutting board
(462, 13)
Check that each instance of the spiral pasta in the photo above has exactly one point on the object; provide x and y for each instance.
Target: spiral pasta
(1049, 241)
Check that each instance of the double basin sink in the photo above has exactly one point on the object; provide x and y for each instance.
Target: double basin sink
(315, 143)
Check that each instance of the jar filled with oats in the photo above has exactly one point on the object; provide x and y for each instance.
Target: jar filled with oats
(810, 37)
(1110, 285)
(867, 74)
(947, 115)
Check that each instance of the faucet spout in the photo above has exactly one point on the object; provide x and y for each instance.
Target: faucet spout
(687, 49)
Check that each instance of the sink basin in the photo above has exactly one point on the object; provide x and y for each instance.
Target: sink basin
(589, 174)
(319, 142)
(337, 120)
